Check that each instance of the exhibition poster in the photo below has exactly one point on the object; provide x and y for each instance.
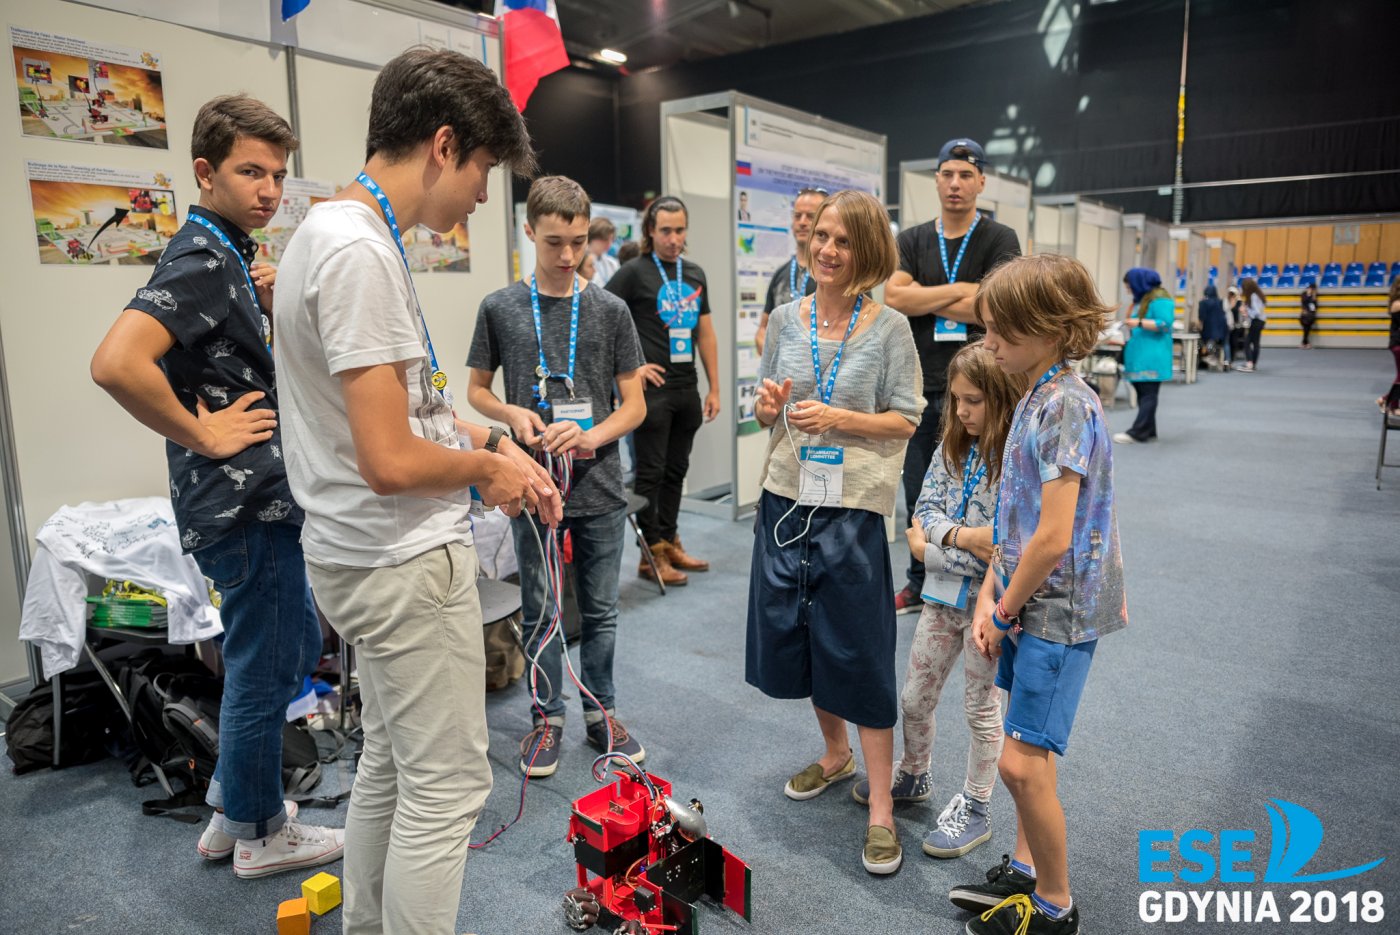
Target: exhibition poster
(88, 215)
(298, 195)
(431, 252)
(71, 89)
(775, 158)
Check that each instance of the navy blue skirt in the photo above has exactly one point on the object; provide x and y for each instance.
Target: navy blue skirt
(821, 612)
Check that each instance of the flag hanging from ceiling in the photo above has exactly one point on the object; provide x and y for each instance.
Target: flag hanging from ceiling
(534, 44)
(291, 8)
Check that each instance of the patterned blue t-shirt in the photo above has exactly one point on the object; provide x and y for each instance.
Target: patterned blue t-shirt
(1060, 427)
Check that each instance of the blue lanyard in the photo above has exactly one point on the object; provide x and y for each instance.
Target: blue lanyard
(666, 286)
(1021, 410)
(542, 371)
(439, 378)
(792, 280)
(970, 481)
(952, 271)
(228, 245)
(835, 361)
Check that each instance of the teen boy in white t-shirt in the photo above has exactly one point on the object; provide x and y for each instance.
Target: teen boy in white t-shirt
(374, 455)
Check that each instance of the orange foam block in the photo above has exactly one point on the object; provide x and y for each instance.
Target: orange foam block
(293, 917)
(322, 893)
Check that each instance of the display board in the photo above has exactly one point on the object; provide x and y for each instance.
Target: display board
(738, 162)
(1004, 197)
(69, 442)
(1197, 268)
(1088, 231)
(1148, 242)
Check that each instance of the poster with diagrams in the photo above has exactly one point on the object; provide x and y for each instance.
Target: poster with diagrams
(88, 215)
(775, 158)
(72, 89)
(431, 252)
(298, 195)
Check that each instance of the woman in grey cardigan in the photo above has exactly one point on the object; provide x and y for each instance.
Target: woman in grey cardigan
(840, 382)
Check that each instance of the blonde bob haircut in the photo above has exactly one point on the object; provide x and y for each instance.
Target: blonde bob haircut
(874, 256)
(1046, 296)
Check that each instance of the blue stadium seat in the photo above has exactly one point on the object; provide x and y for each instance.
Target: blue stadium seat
(1287, 281)
(1249, 271)
(1265, 280)
(1376, 278)
(1352, 278)
(1332, 268)
(1180, 282)
(1331, 280)
(1313, 270)
(1355, 267)
(1291, 268)
(1395, 269)
(1269, 269)
(1214, 272)
(1377, 267)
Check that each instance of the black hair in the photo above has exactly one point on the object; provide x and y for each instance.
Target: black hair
(664, 203)
(425, 89)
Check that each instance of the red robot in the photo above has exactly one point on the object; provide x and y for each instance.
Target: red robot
(644, 859)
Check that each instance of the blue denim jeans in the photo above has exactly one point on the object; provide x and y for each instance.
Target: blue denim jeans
(597, 565)
(272, 640)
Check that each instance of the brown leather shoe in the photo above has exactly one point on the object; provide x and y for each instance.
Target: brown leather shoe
(669, 575)
(680, 559)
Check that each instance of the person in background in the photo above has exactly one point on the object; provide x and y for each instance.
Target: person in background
(793, 279)
(1239, 324)
(191, 358)
(588, 269)
(1147, 358)
(1307, 313)
(670, 304)
(1255, 311)
(1391, 401)
(628, 251)
(1215, 330)
(601, 233)
(840, 384)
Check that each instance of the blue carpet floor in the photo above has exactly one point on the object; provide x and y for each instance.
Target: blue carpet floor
(1260, 664)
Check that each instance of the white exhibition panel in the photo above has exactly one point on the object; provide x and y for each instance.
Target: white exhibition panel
(1148, 242)
(1007, 199)
(713, 149)
(1197, 265)
(1088, 231)
(72, 442)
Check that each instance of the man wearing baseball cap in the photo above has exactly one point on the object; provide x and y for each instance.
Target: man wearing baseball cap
(940, 264)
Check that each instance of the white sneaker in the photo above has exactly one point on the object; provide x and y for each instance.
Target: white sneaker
(294, 847)
(1123, 438)
(215, 845)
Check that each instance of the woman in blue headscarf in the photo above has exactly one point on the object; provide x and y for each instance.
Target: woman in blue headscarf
(1147, 358)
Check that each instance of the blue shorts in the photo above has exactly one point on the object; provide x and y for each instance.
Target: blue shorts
(1045, 680)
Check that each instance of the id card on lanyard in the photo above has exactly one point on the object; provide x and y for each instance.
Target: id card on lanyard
(247, 274)
(1000, 579)
(945, 329)
(943, 588)
(821, 467)
(680, 313)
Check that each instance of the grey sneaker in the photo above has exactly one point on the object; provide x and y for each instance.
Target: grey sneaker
(963, 826)
(906, 787)
(539, 751)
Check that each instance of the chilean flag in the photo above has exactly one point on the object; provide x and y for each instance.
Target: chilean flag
(534, 44)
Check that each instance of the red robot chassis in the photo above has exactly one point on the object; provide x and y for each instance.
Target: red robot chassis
(644, 859)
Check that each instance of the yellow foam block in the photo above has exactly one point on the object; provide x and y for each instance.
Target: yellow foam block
(293, 918)
(322, 893)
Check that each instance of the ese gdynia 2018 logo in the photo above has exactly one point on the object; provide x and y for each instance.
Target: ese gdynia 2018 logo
(1226, 858)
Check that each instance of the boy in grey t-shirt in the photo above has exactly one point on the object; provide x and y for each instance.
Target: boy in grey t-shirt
(563, 344)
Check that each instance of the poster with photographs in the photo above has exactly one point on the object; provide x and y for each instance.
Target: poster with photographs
(71, 89)
(89, 215)
(298, 195)
(431, 252)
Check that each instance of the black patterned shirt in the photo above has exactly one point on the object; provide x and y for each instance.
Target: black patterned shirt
(199, 293)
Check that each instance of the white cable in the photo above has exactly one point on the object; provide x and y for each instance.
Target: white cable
(818, 478)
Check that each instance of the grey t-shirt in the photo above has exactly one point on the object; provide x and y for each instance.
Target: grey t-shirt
(607, 346)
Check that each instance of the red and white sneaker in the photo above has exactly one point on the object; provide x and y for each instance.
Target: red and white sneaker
(908, 601)
(294, 847)
(215, 845)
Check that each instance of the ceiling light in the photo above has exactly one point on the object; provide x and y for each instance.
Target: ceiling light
(614, 56)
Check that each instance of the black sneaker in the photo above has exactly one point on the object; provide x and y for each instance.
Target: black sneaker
(622, 741)
(1003, 881)
(1010, 918)
(539, 751)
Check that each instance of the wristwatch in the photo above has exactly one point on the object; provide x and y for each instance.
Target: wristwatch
(494, 439)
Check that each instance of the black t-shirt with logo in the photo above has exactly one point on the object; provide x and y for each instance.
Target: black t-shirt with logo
(638, 284)
(991, 244)
(199, 293)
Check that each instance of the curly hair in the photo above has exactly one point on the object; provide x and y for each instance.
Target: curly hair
(1048, 296)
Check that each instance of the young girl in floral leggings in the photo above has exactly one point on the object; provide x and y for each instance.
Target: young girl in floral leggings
(951, 531)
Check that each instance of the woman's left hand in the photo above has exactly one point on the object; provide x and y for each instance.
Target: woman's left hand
(815, 418)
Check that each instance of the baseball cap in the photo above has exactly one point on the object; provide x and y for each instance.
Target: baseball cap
(974, 154)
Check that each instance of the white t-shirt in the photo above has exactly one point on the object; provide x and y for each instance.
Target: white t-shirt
(344, 300)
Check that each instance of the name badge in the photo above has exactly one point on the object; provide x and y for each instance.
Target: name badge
(580, 411)
(945, 589)
(682, 345)
(945, 329)
(819, 483)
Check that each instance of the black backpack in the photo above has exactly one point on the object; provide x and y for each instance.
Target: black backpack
(91, 725)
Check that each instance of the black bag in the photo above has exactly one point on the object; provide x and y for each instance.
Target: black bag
(91, 725)
(150, 681)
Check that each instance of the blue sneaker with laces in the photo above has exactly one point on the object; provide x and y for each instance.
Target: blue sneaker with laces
(962, 826)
